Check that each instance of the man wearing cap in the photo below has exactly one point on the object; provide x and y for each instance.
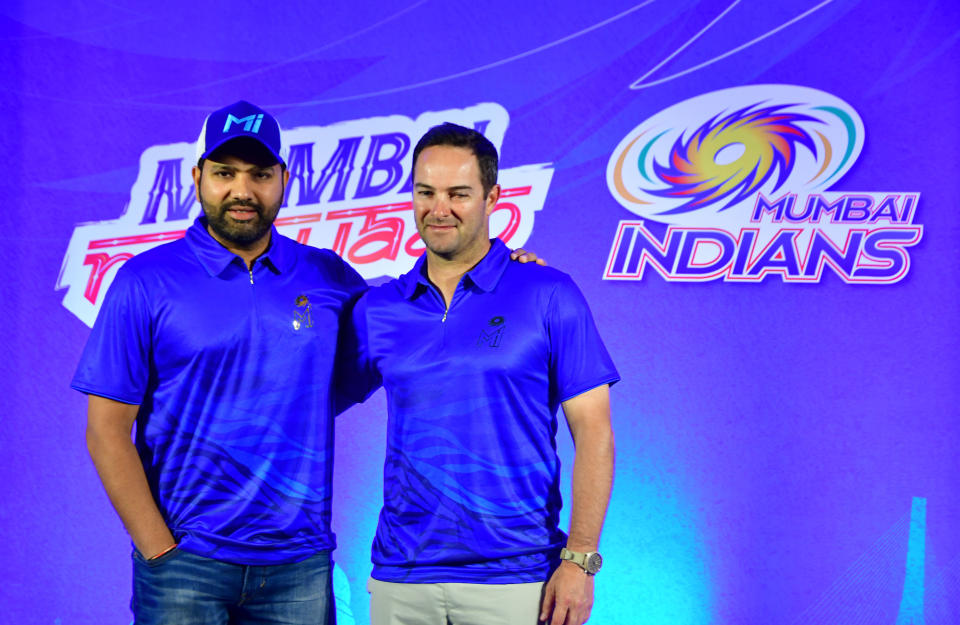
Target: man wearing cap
(476, 354)
(220, 347)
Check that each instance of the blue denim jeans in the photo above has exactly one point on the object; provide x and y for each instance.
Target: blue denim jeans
(181, 588)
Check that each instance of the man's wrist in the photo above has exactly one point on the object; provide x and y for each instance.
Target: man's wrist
(589, 561)
(567, 564)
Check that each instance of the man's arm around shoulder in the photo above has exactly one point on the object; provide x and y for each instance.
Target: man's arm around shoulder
(568, 596)
(109, 424)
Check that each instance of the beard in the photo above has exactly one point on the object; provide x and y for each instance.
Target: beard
(236, 232)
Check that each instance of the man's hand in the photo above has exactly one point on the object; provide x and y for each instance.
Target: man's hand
(523, 256)
(568, 596)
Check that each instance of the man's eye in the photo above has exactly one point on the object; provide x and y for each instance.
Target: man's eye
(222, 174)
(264, 175)
(424, 193)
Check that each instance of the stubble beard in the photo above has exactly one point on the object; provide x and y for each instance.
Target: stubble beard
(441, 245)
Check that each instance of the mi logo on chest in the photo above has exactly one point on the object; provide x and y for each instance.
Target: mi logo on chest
(492, 334)
(251, 123)
(302, 318)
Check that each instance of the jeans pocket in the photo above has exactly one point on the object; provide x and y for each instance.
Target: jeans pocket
(155, 562)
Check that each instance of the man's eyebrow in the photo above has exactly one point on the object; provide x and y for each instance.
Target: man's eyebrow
(256, 169)
(459, 187)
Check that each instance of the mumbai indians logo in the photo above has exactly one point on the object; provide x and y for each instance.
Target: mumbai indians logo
(251, 123)
(302, 318)
(350, 190)
(737, 184)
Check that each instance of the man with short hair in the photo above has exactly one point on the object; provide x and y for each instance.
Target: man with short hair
(220, 347)
(476, 354)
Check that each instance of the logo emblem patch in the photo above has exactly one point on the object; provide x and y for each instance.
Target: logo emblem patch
(493, 333)
(301, 313)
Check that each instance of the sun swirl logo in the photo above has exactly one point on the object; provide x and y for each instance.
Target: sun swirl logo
(733, 184)
(725, 161)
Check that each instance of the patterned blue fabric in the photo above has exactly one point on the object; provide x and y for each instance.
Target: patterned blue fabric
(232, 370)
(471, 477)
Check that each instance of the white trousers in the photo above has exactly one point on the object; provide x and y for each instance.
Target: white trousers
(454, 604)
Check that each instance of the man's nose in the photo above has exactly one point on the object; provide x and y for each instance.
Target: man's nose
(241, 188)
(441, 207)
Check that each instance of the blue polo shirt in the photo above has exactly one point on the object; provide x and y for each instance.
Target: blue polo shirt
(471, 475)
(232, 369)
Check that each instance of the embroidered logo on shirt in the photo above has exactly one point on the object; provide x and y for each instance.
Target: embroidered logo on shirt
(492, 335)
(301, 313)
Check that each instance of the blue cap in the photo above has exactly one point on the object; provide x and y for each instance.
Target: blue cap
(240, 119)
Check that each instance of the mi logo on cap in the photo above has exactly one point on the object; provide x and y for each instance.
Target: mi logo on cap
(251, 123)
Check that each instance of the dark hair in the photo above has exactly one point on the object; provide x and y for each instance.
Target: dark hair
(460, 137)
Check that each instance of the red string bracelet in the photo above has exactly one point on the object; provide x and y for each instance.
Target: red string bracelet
(165, 551)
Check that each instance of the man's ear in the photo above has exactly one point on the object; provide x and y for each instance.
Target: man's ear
(196, 181)
(492, 198)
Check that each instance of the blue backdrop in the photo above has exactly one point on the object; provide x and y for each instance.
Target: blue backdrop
(759, 200)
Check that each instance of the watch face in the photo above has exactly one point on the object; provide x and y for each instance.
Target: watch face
(594, 562)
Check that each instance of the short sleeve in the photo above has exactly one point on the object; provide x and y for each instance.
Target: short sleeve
(579, 360)
(116, 359)
(356, 376)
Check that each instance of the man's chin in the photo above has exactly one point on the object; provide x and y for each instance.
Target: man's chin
(241, 232)
(440, 250)
(440, 245)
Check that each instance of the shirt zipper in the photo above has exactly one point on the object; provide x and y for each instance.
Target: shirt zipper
(443, 326)
(447, 306)
(253, 300)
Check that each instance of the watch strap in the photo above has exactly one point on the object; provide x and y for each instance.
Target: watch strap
(589, 561)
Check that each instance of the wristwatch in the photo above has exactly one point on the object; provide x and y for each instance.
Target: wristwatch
(590, 561)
